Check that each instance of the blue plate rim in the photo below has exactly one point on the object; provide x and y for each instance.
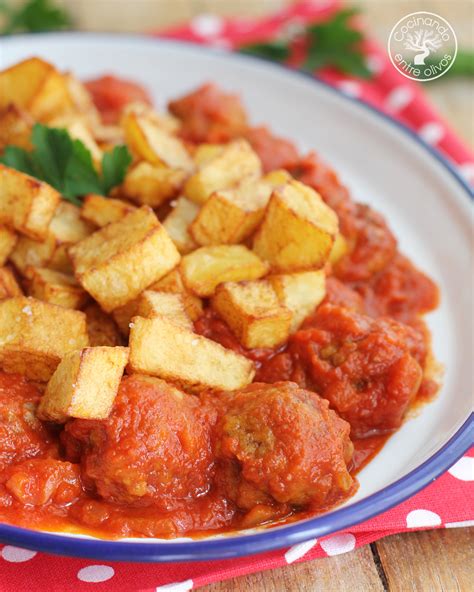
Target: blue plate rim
(272, 538)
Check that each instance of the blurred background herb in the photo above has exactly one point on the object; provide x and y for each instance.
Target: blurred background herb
(33, 16)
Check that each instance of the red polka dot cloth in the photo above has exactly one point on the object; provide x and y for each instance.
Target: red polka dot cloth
(445, 503)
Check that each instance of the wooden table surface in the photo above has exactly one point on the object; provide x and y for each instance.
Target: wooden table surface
(436, 561)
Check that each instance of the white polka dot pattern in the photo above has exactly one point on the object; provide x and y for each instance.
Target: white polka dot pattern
(95, 573)
(207, 25)
(298, 551)
(431, 132)
(399, 98)
(422, 518)
(349, 87)
(17, 555)
(338, 544)
(463, 469)
(177, 587)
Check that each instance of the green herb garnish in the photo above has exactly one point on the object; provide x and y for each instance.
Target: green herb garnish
(33, 16)
(67, 165)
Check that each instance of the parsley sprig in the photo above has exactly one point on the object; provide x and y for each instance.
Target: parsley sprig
(334, 43)
(33, 16)
(67, 165)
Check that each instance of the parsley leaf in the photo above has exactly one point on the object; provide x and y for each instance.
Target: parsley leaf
(67, 164)
(333, 43)
(34, 16)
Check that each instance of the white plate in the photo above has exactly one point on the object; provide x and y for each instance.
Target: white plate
(384, 165)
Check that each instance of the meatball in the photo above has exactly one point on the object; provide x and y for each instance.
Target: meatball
(209, 115)
(281, 444)
(153, 449)
(367, 368)
(22, 435)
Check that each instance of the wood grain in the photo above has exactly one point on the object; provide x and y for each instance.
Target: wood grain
(352, 572)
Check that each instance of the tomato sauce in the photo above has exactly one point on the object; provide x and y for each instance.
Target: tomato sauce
(165, 463)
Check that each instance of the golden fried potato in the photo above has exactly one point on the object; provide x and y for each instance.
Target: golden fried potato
(159, 347)
(56, 287)
(116, 263)
(77, 128)
(206, 152)
(300, 293)
(84, 384)
(173, 283)
(170, 306)
(152, 185)
(35, 336)
(228, 167)
(232, 215)
(204, 269)
(165, 121)
(298, 229)
(52, 99)
(339, 249)
(21, 83)
(101, 328)
(253, 312)
(15, 127)
(66, 229)
(177, 224)
(100, 210)
(8, 285)
(26, 204)
(148, 141)
(8, 240)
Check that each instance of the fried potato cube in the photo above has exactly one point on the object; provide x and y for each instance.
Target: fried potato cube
(101, 328)
(177, 224)
(165, 121)
(151, 185)
(57, 288)
(23, 81)
(171, 306)
(173, 283)
(26, 204)
(204, 269)
(159, 347)
(100, 210)
(253, 312)
(300, 293)
(150, 142)
(339, 249)
(116, 263)
(235, 162)
(77, 128)
(35, 336)
(298, 229)
(84, 384)
(52, 99)
(232, 215)
(9, 287)
(8, 240)
(206, 152)
(66, 228)
(15, 127)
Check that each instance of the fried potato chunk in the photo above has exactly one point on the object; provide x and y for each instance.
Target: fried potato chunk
(152, 185)
(339, 249)
(177, 224)
(232, 215)
(171, 306)
(100, 210)
(35, 336)
(116, 263)
(228, 167)
(26, 204)
(66, 228)
(206, 152)
(300, 293)
(15, 127)
(8, 285)
(152, 143)
(161, 348)
(8, 240)
(84, 384)
(204, 269)
(173, 283)
(101, 328)
(253, 312)
(57, 288)
(298, 230)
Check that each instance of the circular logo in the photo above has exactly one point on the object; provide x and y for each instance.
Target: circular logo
(422, 46)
